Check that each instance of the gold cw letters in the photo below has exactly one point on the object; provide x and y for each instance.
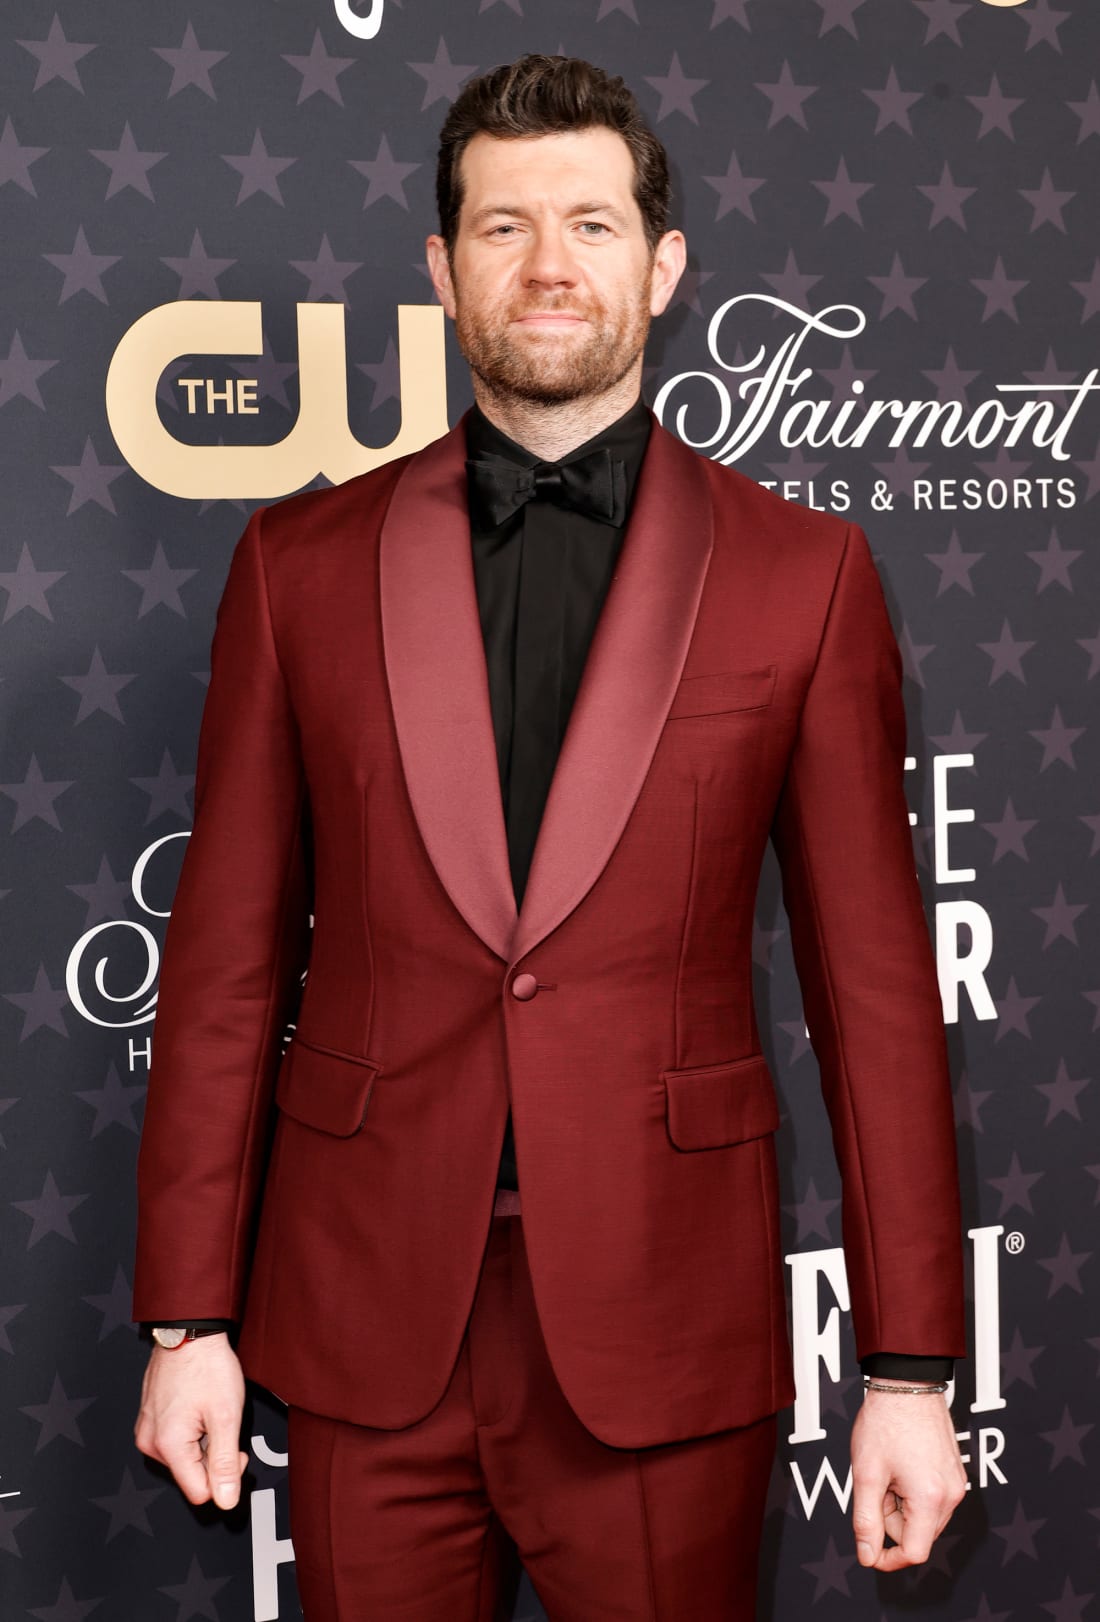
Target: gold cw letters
(320, 440)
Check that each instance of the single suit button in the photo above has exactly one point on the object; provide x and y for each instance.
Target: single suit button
(524, 987)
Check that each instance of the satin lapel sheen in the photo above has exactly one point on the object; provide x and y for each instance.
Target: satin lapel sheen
(629, 678)
(439, 687)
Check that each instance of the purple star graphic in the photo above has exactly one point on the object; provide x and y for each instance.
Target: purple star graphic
(1043, 25)
(843, 194)
(97, 689)
(1048, 204)
(19, 375)
(787, 98)
(105, 898)
(57, 56)
(1062, 1093)
(790, 283)
(91, 480)
(114, 1307)
(83, 269)
(198, 273)
(385, 176)
(625, 6)
(950, 380)
(1092, 823)
(897, 290)
(893, 104)
(195, 1596)
(968, 1104)
(954, 566)
(1009, 834)
(49, 1213)
(1000, 292)
(27, 586)
(129, 166)
(327, 274)
(838, 14)
(1013, 1011)
(129, 1506)
(34, 796)
(831, 1571)
(159, 584)
(730, 11)
(1057, 741)
(167, 791)
(1006, 654)
(677, 92)
(113, 1103)
(1090, 292)
(1091, 645)
(1065, 1267)
(959, 741)
(1015, 1187)
(1054, 563)
(1060, 918)
(996, 109)
(734, 190)
(1016, 1362)
(259, 171)
(943, 18)
(320, 71)
(1088, 111)
(812, 1215)
(66, 1608)
(442, 78)
(385, 375)
(947, 199)
(58, 1416)
(190, 64)
(16, 160)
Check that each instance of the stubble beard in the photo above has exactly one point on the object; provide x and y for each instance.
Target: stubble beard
(548, 369)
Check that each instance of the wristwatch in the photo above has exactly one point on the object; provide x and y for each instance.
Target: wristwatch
(171, 1338)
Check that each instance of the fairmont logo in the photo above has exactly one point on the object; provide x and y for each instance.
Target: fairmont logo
(762, 398)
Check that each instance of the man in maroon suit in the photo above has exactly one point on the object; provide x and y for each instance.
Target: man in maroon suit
(514, 719)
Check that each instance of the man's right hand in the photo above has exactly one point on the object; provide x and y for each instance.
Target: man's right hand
(192, 1401)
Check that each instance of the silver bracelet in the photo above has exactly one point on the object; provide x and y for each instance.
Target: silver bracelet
(870, 1384)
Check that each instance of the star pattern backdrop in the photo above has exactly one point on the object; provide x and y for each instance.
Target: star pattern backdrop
(931, 164)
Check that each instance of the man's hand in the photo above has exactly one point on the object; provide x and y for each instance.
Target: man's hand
(192, 1400)
(907, 1477)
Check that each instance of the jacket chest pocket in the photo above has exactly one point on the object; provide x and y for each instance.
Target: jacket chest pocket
(723, 691)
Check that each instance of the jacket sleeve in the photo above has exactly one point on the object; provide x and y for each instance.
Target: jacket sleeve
(868, 977)
(235, 947)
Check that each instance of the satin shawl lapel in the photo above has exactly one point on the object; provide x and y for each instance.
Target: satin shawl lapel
(435, 665)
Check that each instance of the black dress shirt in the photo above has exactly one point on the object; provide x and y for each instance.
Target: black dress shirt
(541, 577)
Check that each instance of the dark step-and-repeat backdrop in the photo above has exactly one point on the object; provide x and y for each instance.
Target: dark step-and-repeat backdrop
(211, 222)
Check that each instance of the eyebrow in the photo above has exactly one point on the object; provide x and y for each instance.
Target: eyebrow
(515, 211)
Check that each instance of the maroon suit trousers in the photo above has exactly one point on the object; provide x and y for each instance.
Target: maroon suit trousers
(422, 1524)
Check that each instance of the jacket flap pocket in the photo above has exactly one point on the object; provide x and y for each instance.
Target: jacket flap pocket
(323, 1088)
(713, 1104)
(723, 690)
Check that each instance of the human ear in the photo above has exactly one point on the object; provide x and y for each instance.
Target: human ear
(439, 268)
(669, 260)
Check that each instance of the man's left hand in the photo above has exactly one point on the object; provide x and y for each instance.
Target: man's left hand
(907, 1477)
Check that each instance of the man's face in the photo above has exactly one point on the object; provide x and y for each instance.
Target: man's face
(551, 284)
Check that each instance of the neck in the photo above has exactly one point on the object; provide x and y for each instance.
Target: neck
(552, 431)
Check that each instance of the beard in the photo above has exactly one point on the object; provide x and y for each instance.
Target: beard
(551, 368)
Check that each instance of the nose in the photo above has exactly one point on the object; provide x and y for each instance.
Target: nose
(548, 262)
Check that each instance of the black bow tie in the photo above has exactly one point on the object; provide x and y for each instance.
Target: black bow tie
(594, 484)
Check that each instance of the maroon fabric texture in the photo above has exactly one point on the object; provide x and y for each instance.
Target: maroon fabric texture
(425, 1523)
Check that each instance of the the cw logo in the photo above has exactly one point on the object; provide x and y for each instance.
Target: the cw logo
(319, 442)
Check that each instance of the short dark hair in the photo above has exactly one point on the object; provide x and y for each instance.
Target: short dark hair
(550, 95)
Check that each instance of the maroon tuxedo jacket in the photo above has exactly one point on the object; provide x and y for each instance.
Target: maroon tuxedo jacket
(743, 682)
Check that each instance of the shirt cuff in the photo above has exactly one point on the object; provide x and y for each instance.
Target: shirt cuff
(906, 1366)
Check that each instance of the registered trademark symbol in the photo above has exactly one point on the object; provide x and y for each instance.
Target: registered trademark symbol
(1014, 1243)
